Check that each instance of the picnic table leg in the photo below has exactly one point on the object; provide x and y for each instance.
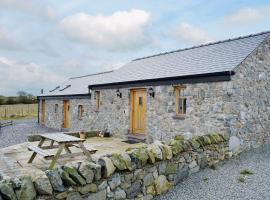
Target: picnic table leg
(51, 144)
(57, 155)
(34, 153)
(85, 151)
(67, 150)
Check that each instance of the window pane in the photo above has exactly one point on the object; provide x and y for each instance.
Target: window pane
(56, 108)
(184, 105)
(140, 101)
(80, 111)
(97, 98)
(180, 100)
(180, 106)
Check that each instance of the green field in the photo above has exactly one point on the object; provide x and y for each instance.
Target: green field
(18, 111)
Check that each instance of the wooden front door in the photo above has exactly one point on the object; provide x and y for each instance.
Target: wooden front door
(66, 114)
(43, 111)
(138, 111)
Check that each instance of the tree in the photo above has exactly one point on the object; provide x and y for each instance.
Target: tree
(2, 100)
(11, 100)
(22, 97)
(22, 93)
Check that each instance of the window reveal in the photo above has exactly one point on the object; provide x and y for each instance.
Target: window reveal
(56, 108)
(80, 111)
(97, 98)
(181, 100)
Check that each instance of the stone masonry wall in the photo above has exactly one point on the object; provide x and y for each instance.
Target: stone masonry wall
(248, 120)
(139, 173)
(113, 114)
(206, 107)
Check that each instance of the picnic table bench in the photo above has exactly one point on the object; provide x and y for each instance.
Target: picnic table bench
(63, 141)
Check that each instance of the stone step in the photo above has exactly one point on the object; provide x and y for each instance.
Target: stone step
(137, 137)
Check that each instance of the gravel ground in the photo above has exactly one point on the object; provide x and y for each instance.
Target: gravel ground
(18, 132)
(222, 183)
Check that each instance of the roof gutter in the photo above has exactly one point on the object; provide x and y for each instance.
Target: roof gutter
(66, 96)
(189, 79)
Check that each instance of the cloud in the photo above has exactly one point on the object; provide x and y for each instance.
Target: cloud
(71, 65)
(33, 7)
(16, 75)
(44, 47)
(114, 66)
(7, 42)
(245, 16)
(120, 31)
(190, 34)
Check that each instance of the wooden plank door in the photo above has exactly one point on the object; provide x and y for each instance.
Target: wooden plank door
(138, 111)
(43, 111)
(66, 114)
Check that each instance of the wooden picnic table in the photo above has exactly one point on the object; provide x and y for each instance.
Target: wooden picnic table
(64, 142)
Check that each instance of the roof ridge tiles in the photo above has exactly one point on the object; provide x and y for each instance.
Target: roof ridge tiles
(203, 45)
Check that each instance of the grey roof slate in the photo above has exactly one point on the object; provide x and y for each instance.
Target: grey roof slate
(204, 59)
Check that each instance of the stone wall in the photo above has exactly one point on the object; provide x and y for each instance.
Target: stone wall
(248, 120)
(139, 173)
(53, 119)
(113, 114)
(206, 108)
(205, 112)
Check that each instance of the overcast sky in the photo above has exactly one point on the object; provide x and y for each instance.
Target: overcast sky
(42, 43)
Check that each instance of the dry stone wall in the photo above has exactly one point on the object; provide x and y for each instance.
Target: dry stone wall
(138, 173)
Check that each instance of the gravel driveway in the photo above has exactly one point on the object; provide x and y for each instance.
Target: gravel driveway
(222, 183)
(18, 132)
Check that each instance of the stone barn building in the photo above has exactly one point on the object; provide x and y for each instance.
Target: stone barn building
(221, 87)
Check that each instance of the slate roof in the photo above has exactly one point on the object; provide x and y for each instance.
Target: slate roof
(209, 58)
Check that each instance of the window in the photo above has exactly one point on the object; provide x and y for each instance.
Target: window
(56, 108)
(97, 98)
(181, 100)
(80, 111)
(140, 101)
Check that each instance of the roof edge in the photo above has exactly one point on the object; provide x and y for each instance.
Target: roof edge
(105, 72)
(202, 45)
(252, 52)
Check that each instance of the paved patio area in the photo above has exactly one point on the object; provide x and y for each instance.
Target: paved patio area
(13, 159)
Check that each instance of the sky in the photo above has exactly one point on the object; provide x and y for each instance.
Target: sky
(45, 42)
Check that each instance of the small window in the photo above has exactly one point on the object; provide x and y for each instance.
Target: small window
(140, 101)
(56, 108)
(80, 111)
(97, 98)
(181, 101)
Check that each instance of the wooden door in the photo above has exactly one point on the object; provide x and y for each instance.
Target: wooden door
(43, 111)
(138, 111)
(66, 114)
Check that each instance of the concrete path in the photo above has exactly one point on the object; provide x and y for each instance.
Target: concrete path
(223, 183)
